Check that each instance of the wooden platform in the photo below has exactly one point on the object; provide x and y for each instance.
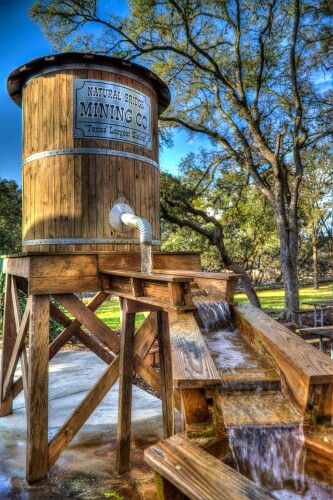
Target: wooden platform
(50, 283)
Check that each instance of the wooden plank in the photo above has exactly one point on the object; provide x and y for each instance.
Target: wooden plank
(161, 261)
(25, 375)
(71, 326)
(125, 392)
(37, 409)
(63, 437)
(67, 284)
(91, 343)
(16, 303)
(177, 261)
(8, 343)
(89, 320)
(199, 475)
(194, 406)
(176, 294)
(46, 266)
(137, 288)
(163, 335)
(90, 402)
(199, 274)
(158, 303)
(148, 374)
(17, 266)
(301, 363)
(145, 276)
(192, 363)
(19, 344)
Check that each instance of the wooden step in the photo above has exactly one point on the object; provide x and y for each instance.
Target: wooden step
(190, 470)
(267, 408)
(192, 364)
(263, 379)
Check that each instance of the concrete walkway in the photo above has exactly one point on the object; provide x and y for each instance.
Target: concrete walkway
(86, 468)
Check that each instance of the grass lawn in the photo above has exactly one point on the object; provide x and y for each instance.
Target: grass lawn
(275, 298)
(109, 312)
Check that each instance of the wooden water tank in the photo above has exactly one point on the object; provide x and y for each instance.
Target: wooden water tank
(90, 139)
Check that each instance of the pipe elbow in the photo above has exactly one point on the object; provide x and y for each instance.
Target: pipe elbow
(141, 224)
(122, 216)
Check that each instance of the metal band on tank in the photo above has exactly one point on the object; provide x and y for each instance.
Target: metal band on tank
(90, 151)
(98, 67)
(83, 241)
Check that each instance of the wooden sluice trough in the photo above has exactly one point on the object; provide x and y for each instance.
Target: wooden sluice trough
(75, 172)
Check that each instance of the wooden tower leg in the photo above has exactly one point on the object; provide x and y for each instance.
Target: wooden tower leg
(125, 391)
(163, 335)
(8, 342)
(37, 408)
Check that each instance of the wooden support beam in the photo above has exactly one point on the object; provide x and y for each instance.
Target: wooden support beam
(176, 294)
(163, 336)
(89, 320)
(143, 340)
(37, 408)
(125, 392)
(65, 335)
(91, 343)
(90, 402)
(8, 343)
(19, 344)
(71, 326)
(194, 407)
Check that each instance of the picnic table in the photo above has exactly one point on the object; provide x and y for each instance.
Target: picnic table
(321, 332)
(320, 305)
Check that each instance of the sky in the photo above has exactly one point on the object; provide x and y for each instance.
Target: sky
(20, 41)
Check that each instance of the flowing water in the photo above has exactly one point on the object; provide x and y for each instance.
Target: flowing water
(273, 456)
(214, 315)
(146, 258)
(270, 457)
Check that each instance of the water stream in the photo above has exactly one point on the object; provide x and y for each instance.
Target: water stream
(146, 258)
(272, 456)
(214, 315)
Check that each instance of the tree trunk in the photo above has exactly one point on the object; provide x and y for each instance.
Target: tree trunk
(314, 242)
(288, 260)
(238, 269)
(247, 284)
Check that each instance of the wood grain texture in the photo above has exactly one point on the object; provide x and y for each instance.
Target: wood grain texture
(194, 407)
(192, 364)
(125, 392)
(68, 196)
(87, 318)
(19, 344)
(8, 343)
(37, 409)
(83, 411)
(301, 364)
(163, 336)
(199, 475)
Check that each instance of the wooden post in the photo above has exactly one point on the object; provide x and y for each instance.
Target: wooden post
(163, 336)
(37, 408)
(8, 342)
(125, 390)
